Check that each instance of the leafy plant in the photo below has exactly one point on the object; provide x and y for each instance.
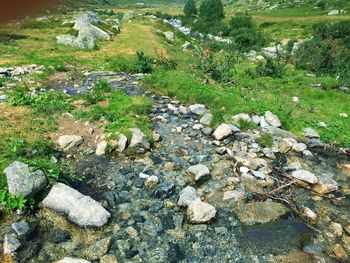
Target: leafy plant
(266, 140)
(190, 9)
(144, 64)
(245, 125)
(10, 202)
(165, 60)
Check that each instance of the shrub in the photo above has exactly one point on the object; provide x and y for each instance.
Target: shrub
(165, 60)
(266, 140)
(190, 9)
(144, 64)
(245, 33)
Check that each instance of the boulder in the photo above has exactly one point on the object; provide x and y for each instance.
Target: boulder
(187, 195)
(260, 212)
(199, 171)
(311, 133)
(139, 139)
(169, 36)
(305, 176)
(241, 117)
(68, 142)
(122, 142)
(272, 119)
(101, 148)
(206, 119)
(299, 147)
(80, 209)
(66, 40)
(22, 180)
(200, 212)
(222, 132)
(325, 185)
(198, 109)
(279, 132)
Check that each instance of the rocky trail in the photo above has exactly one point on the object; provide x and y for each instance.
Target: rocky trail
(198, 194)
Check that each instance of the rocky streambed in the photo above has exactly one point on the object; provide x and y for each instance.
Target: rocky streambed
(199, 194)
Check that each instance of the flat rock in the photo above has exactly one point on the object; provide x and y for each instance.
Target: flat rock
(199, 171)
(325, 185)
(299, 147)
(198, 109)
(139, 139)
(101, 148)
(311, 133)
(206, 119)
(11, 244)
(280, 133)
(241, 117)
(187, 195)
(272, 119)
(260, 212)
(22, 180)
(80, 209)
(67, 142)
(122, 142)
(21, 228)
(222, 131)
(200, 212)
(305, 176)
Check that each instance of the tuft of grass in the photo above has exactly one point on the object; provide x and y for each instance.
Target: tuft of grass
(266, 140)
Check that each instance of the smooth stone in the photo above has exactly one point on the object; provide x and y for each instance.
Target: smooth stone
(279, 132)
(101, 148)
(199, 171)
(22, 180)
(21, 228)
(68, 142)
(311, 133)
(80, 209)
(72, 260)
(206, 119)
(325, 185)
(241, 117)
(200, 212)
(299, 147)
(272, 119)
(305, 176)
(198, 109)
(122, 142)
(187, 195)
(11, 244)
(139, 139)
(222, 132)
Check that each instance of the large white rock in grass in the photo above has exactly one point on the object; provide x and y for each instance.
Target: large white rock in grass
(72, 260)
(67, 40)
(199, 171)
(311, 133)
(139, 139)
(169, 36)
(272, 119)
(80, 209)
(101, 148)
(206, 119)
(187, 195)
(122, 142)
(222, 131)
(200, 212)
(333, 12)
(198, 109)
(23, 180)
(241, 117)
(68, 142)
(305, 176)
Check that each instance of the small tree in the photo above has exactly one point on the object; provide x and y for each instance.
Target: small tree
(190, 9)
(211, 14)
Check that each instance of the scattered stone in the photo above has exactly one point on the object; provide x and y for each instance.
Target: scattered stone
(164, 190)
(183, 110)
(156, 137)
(305, 176)
(279, 132)
(11, 244)
(200, 212)
(68, 142)
(169, 36)
(260, 212)
(21, 228)
(122, 142)
(197, 127)
(206, 119)
(295, 99)
(199, 171)
(236, 195)
(256, 119)
(207, 131)
(241, 117)
(322, 124)
(198, 109)
(128, 15)
(245, 159)
(325, 185)
(22, 180)
(259, 175)
(311, 133)
(222, 132)
(101, 148)
(98, 250)
(152, 181)
(310, 214)
(139, 139)
(343, 115)
(299, 147)
(81, 209)
(336, 229)
(292, 167)
(333, 12)
(185, 45)
(3, 98)
(187, 195)
(285, 145)
(272, 119)
(109, 259)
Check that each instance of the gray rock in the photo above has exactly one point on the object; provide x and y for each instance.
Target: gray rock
(199, 171)
(222, 132)
(68, 142)
(235, 195)
(279, 132)
(21, 228)
(128, 15)
(169, 36)
(81, 210)
(187, 195)
(198, 109)
(11, 244)
(139, 139)
(292, 167)
(260, 212)
(333, 12)
(72, 260)
(66, 40)
(122, 142)
(22, 180)
(311, 133)
(98, 250)
(272, 119)
(299, 147)
(241, 117)
(325, 185)
(200, 212)
(3, 98)
(206, 119)
(101, 148)
(259, 175)
(207, 131)
(305, 176)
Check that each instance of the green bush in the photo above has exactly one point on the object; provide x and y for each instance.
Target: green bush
(190, 9)
(211, 15)
(245, 33)
(266, 140)
(10, 202)
(144, 64)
